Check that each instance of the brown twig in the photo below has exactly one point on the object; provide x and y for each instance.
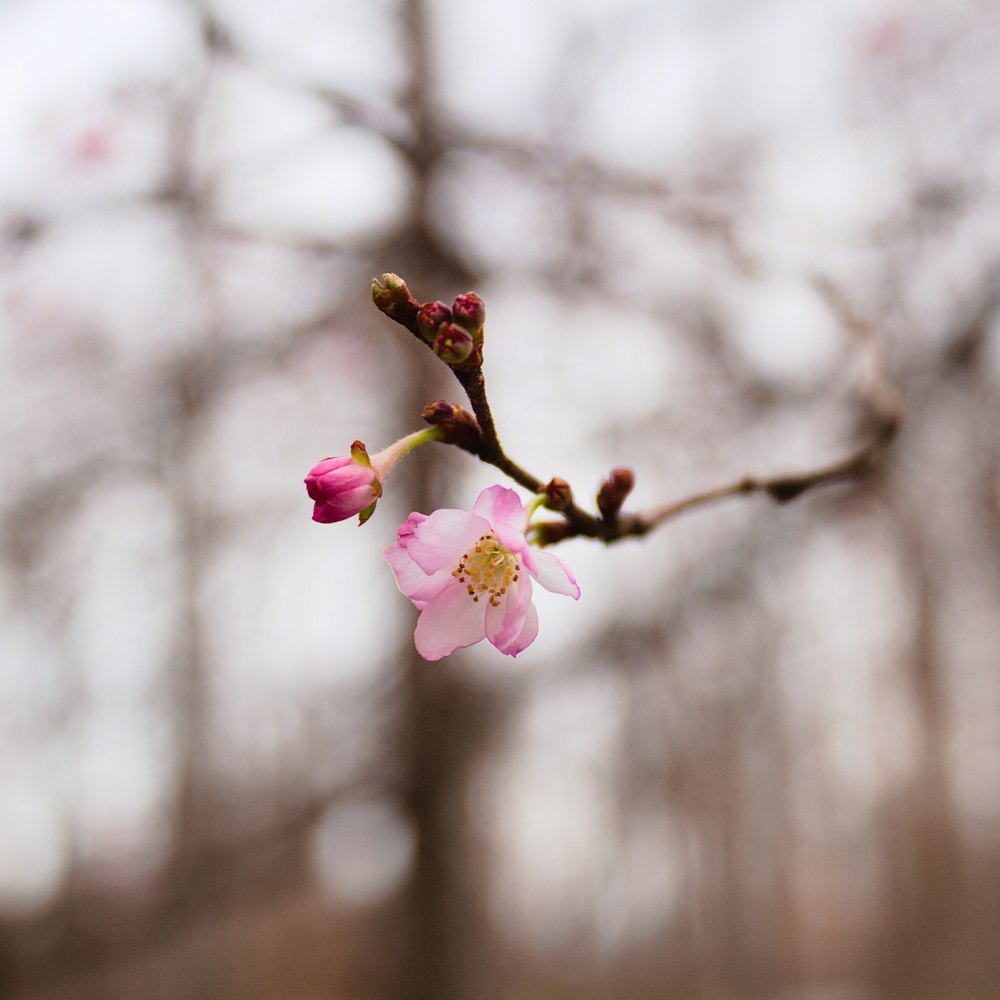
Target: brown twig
(882, 403)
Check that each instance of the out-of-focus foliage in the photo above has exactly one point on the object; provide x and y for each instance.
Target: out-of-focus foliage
(758, 759)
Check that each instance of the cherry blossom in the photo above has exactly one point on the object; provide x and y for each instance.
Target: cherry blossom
(470, 573)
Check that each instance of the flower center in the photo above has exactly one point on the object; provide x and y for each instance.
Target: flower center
(487, 569)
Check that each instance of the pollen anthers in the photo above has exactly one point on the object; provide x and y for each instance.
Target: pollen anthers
(487, 569)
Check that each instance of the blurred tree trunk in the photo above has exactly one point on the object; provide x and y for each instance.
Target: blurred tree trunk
(444, 711)
(922, 850)
(446, 716)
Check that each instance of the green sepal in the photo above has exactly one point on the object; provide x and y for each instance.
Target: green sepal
(360, 454)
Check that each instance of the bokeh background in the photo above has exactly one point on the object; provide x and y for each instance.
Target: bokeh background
(760, 758)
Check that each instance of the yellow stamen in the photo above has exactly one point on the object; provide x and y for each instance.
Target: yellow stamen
(487, 568)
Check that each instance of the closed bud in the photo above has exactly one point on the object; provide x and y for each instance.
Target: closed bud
(346, 485)
(395, 283)
(440, 412)
(458, 425)
(557, 493)
(392, 296)
(431, 317)
(469, 312)
(613, 492)
(453, 345)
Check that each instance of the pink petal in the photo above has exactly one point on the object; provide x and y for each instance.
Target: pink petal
(337, 469)
(441, 540)
(504, 622)
(347, 478)
(406, 530)
(450, 621)
(526, 636)
(350, 499)
(323, 515)
(501, 506)
(341, 488)
(333, 475)
(412, 581)
(340, 506)
(550, 572)
(510, 538)
(329, 464)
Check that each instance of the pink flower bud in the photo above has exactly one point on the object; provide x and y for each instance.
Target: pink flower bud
(344, 486)
(469, 311)
(453, 344)
(347, 485)
(431, 317)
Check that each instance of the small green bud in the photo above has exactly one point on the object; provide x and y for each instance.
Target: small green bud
(392, 297)
(388, 289)
(394, 283)
(453, 345)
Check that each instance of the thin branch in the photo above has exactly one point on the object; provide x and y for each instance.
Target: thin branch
(781, 489)
(883, 410)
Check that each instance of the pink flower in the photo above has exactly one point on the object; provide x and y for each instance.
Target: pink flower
(470, 575)
(347, 485)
